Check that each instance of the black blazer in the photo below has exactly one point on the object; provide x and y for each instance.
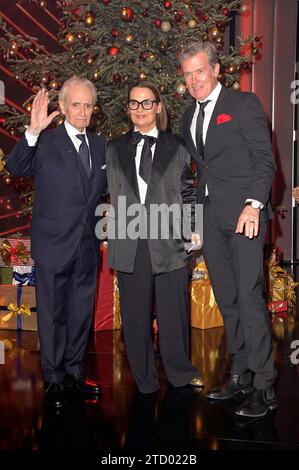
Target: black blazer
(171, 183)
(238, 161)
(65, 200)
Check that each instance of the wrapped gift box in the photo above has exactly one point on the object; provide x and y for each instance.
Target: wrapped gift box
(16, 297)
(15, 252)
(107, 310)
(204, 310)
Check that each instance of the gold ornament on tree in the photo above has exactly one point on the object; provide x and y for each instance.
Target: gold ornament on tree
(89, 19)
(142, 75)
(165, 26)
(129, 38)
(192, 23)
(181, 88)
(70, 38)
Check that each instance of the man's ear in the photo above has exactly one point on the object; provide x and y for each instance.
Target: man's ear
(61, 106)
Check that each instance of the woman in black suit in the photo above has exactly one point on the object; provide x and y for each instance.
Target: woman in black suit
(147, 167)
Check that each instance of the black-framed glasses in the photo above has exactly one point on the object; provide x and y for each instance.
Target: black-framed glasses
(146, 104)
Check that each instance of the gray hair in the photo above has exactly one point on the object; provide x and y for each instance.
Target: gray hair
(194, 48)
(76, 81)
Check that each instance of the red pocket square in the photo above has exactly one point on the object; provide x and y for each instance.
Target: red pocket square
(223, 118)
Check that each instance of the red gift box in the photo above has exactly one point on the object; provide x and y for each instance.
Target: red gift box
(107, 311)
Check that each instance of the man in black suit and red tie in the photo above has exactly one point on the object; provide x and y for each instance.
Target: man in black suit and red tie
(68, 164)
(227, 136)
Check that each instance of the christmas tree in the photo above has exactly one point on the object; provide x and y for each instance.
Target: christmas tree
(116, 43)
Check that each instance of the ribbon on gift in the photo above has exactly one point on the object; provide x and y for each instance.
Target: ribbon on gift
(18, 310)
(25, 279)
(13, 254)
(14, 310)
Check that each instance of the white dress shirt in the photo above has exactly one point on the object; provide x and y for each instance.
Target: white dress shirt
(71, 131)
(213, 97)
(142, 185)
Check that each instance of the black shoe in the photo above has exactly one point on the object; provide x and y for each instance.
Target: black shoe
(258, 403)
(76, 382)
(230, 387)
(54, 395)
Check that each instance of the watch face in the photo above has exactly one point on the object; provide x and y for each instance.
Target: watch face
(255, 204)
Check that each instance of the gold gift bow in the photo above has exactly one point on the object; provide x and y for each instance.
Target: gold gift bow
(24, 309)
(11, 253)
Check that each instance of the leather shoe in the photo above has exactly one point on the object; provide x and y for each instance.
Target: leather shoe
(54, 395)
(197, 382)
(258, 403)
(230, 387)
(76, 382)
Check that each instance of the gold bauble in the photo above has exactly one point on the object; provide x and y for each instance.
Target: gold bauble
(96, 74)
(89, 60)
(70, 38)
(54, 84)
(89, 19)
(181, 88)
(215, 33)
(14, 46)
(165, 26)
(236, 86)
(8, 178)
(129, 38)
(96, 110)
(192, 24)
(142, 76)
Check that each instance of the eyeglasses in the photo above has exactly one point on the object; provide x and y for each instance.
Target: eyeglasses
(146, 104)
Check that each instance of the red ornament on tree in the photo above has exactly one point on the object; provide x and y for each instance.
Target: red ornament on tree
(157, 22)
(113, 51)
(145, 14)
(105, 2)
(127, 14)
(76, 11)
(115, 33)
(225, 11)
(116, 77)
(167, 5)
(179, 15)
(143, 56)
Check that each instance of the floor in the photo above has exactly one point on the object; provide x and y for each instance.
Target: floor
(176, 419)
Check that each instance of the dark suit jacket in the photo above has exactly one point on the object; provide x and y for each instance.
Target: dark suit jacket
(65, 200)
(171, 183)
(238, 161)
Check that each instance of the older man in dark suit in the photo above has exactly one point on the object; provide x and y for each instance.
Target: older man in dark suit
(68, 164)
(227, 136)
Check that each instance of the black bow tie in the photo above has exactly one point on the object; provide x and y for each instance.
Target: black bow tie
(137, 137)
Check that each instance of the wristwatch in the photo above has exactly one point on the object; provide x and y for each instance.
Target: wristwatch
(254, 204)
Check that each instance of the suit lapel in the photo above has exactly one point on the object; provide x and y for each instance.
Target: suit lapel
(95, 162)
(187, 132)
(218, 109)
(126, 154)
(162, 157)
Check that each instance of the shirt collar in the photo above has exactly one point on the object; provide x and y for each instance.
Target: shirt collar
(153, 132)
(71, 130)
(213, 96)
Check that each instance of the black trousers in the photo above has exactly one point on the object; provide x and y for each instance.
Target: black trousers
(235, 265)
(65, 299)
(171, 301)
